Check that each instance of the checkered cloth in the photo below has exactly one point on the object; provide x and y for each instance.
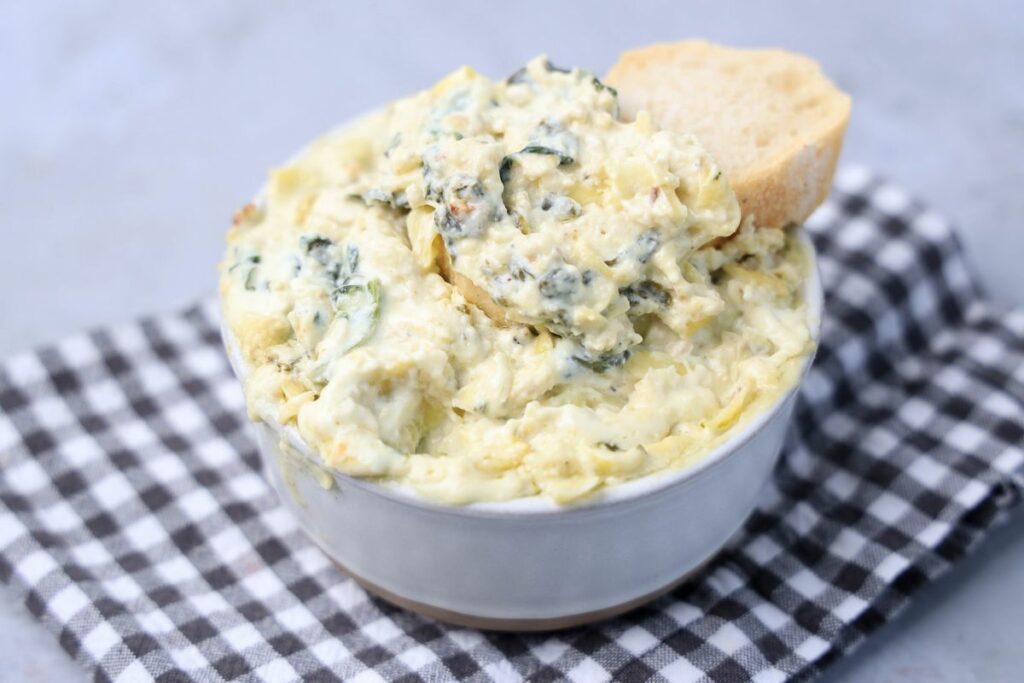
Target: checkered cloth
(136, 526)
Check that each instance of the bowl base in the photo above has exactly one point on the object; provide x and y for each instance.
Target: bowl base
(516, 624)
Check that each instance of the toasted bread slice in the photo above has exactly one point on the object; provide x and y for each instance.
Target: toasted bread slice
(771, 119)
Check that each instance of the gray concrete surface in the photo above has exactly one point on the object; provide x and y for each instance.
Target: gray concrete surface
(129, 132)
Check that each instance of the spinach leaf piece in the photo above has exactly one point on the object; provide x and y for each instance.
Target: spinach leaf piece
(562, 207)
(248, 265)
(521, 75)
(642, 250)
(465, 210)
(602, 362)
(395, 200)
(647, 244)
(505, 169)
(599, 87)
(338, 267)
(360, 305)
(559, 283)
(557, 69)
(563, 159)
(317, 247)
(646, 296)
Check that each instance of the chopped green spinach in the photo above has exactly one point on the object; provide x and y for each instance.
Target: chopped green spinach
(377, 195)
(645, 296)
(464, 209)
(434, 189)
(317, 247)
(562, 207)
(337, 267)
(600, 87)
(560, 282)
(521, 75)
(602, 362)
(556, 69)
(359, 303)
(395, 142)
(647, 244)
(505, 169)
(246, 264)
(551, 137)
(563, 159)
(519, 270)
(642, 250)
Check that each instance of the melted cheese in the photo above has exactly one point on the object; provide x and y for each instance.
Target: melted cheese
(601, 328)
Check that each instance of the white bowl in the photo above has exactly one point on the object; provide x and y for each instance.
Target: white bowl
(531, 564)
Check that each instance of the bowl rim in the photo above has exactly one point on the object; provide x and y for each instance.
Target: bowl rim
(538, 505)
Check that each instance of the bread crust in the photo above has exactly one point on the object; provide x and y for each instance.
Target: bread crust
(780, 186)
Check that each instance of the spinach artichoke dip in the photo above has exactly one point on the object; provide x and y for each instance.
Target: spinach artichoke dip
(492, 290)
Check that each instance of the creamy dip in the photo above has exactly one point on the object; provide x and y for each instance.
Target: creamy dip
(491, 290)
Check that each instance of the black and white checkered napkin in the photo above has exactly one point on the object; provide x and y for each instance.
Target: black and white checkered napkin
(135, 523)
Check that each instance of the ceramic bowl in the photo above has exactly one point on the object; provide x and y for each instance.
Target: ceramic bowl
(531, 564)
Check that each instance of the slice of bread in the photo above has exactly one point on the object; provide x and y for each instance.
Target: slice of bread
(770, 118)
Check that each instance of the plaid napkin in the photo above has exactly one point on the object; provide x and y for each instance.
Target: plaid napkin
(136, 525)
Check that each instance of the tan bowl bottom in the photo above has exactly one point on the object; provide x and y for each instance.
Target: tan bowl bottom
(498, 624)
